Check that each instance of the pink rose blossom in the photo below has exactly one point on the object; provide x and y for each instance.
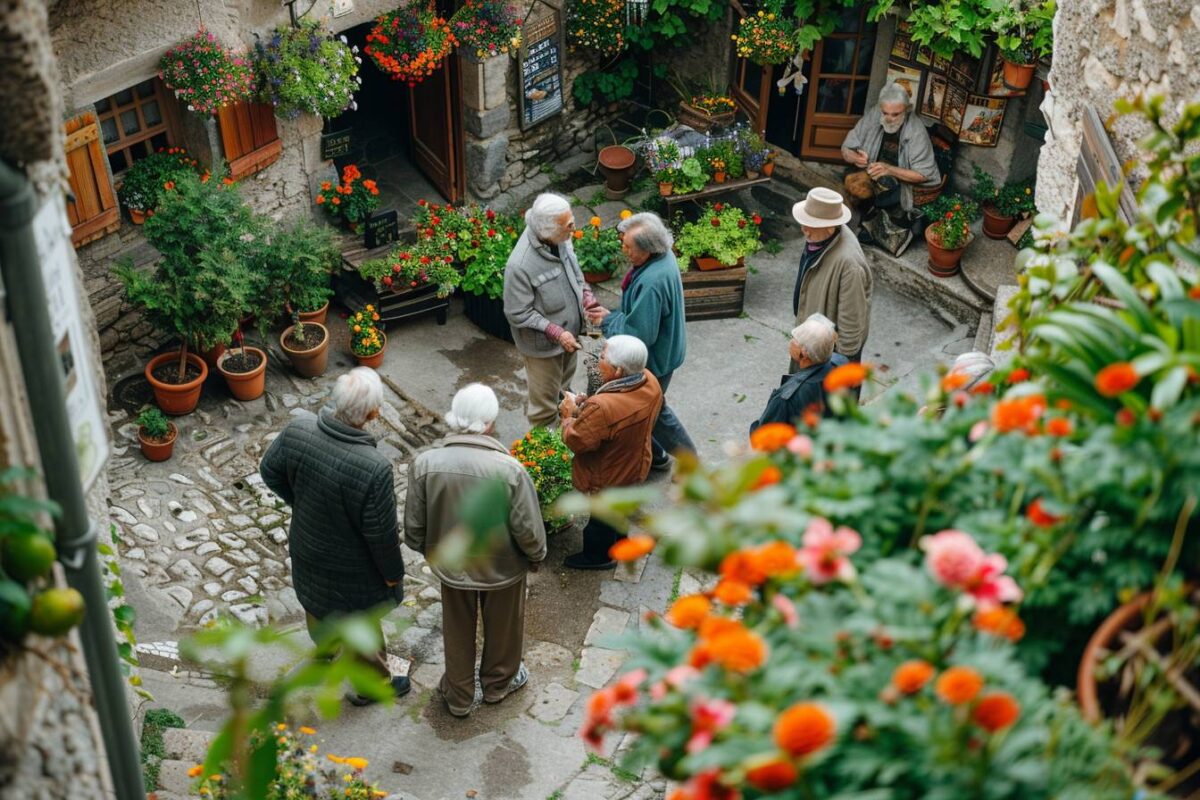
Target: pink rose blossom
(787, 608)
(990, 586)
(952, 557)
(978, 431)
(801, 445)
(708, 717)
(825, 551)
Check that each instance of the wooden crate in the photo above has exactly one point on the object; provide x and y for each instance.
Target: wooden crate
(354, 293)
(716, 294)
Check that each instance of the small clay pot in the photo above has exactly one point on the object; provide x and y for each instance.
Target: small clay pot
(373, 361)
(245, 385)
(596, 277)
(158, 451)
(665, 189)
(137, 216)
(307, 363)
(943, 263)
(995, 225)
(1018, 76)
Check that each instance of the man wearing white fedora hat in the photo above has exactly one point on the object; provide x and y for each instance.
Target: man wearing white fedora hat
(834, 277)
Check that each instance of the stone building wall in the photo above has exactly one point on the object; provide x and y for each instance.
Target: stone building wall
(1105, 50)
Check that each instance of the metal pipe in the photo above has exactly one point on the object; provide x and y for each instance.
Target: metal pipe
(75, 534)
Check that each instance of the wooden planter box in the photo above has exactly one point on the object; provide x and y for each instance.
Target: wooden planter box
(488, 314)
(354, 292)
(714, 294)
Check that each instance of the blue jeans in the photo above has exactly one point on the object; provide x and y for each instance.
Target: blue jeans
(669, 435)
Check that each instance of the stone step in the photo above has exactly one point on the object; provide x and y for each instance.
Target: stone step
(173, 778)
(983, 334)
(187, 744)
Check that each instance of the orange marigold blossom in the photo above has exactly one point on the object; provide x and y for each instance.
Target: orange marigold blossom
(847, 376)
(996, 711)
(356, 763)
(958, 685)
(631, 548)
(803, 729)
(688, 612)
(999, 621)
(1059, 426)
(738, 650)
(732, 593)
(771, 775)
(1116, 378)
(712, 627)
(911, 676)
(953, 381)
(1018, 413)
(195, 771)
(768, 477)
(775, 558)
(743, 566)
(772, 436)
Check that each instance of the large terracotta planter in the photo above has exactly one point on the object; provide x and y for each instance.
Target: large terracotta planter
(212, 355)
(617, 162)
(176, 399)
(943, 262)
(155, 450)
(373, 361)
(307, 363)
(1103, 640)
(245, 385)
(996, 225)
(708, 263)
(1018, 76)
(312, 316)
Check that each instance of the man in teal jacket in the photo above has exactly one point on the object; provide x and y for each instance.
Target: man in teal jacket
(652, 310)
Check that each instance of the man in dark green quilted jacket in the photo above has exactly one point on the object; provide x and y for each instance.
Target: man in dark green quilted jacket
(344, 539)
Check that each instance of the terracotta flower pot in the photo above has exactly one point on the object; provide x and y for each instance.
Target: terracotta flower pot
(596, 277)
(768, 168)
(1018, 76)
(137, 216)
(155, 450)
(307, 363)
(1103, 640)
(373, 361)
(943, 262)
(665, 189)
(707, 263)
(719, 177)
(175, 398)
(617, 162)
(311, 316)
(245, 385)
(996, 225)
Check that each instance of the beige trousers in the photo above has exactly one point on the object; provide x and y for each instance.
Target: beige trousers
(503, 612)
(547, 378)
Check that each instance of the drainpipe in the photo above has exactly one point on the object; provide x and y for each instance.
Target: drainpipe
(75, 533)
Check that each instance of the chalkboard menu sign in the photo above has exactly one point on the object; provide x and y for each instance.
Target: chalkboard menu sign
(335, 145)
(541, 87)
(382, 228)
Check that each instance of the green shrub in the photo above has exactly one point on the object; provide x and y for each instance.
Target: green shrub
(153, 423)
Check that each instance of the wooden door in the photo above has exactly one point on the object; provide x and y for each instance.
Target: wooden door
(837, 87)
(435, 122)
(750, 84)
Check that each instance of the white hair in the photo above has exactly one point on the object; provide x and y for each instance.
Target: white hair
(357, 395)
(815, 336)
(626, 353)
(542, 216)
(473, 409)
(974, 364)
(824, 320)
(893, 92)
(650, 234)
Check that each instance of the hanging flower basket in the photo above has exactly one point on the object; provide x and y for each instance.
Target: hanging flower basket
(486, 28)
(305, 70)
(768, 37)
(596, 25)
(408, 44)
(205, 74)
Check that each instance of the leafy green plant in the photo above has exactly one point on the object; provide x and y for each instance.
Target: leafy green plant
(1013, 199)
(690, 177)
(951, 26)
(122, 613)
(951, 217)
(723, 232)
(153, 423)
(547, 459)
(144, 184)
(597, 26)
(605, 87)
(294, 268)
(767, 37)
(352, 199)
(598, 250)
(153, 750)
(303, 69)
(412, 268)
(1024, 29)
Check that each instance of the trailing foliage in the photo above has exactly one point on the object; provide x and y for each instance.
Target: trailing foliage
(305, 70)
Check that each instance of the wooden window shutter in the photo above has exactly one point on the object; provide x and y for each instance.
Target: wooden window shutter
(248, 137)
(94, 211)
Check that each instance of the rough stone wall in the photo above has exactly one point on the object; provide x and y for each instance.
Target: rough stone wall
(1105, 50)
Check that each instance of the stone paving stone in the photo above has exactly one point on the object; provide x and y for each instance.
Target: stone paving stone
(597, 665)
(552, 702)
(186, 744)
(606, 623)
(173, 777)
(596, 783)
(631, 572)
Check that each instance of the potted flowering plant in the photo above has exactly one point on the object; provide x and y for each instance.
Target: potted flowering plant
(486, 28)
(768, 37)
(662, 156)
(1001, 205)
(597, 25)
(305, 70)
(483, 250)
(156, 435)
(950, 232)
(721, 238)
(753, 150)
(707, 109)
(407, 270)
(1024, 33)
(690, 177)
(205, 74)
(547, 459)
(352, 200)
(408, 44)
(598, 250)
(149, 178)
(367, 341)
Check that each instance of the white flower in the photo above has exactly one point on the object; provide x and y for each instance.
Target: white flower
(344, 40)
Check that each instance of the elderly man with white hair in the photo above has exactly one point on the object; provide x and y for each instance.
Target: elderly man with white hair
(609, 433)
(811, 349)
(652, 310)
(545, 299)
(891, 147)
(490, 584)
(344, 540)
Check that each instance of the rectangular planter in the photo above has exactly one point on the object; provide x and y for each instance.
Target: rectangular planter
(413, 302)
(715, 294)
(488, 314)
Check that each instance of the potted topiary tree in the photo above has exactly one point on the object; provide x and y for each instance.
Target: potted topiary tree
(156, 434)
(200, 288)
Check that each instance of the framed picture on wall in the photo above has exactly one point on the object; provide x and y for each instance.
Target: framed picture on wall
(964, 70)
(903, 47)
(934, 100)
(982, 120)
(941, 64)
(954, 106)
(924, 55)
(906, 76)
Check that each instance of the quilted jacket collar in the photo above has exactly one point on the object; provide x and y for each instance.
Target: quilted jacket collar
(475, 440)
(332, 426)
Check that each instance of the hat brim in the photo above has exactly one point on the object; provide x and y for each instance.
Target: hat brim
(816, 222)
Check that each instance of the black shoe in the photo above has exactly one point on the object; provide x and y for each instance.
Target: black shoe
(401, 686)
(586, 560)
(662, 464)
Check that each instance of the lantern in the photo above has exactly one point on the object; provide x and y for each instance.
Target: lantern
(635, 11)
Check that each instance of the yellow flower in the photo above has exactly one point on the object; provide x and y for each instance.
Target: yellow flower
(281, 727)
(312, 748)
(307, 730)
(594, 222)
(335, 759)
(195, 771)
(356, 763)
(626, 214)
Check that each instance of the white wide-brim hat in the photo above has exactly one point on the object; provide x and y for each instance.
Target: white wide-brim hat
(822, 208)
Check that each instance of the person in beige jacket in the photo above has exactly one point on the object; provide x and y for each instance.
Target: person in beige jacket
(491, 584)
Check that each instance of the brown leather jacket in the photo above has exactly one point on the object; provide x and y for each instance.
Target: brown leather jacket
(611, 435)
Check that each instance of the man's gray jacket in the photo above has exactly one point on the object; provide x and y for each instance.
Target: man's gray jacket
(916, 151)
(344, 538)
(540, 289)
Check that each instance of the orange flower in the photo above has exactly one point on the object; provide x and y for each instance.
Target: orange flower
(169, 185)
(1000, 621)
(713, 627)
(1019, 413)
(326, 186)
(776, 558)
(195, 771)
(769, 476)
(772, 436)
(689, 612)
(847, 376)
(1060, 426)
(1116, 378)
(594, 222)
(732, 593)
(738, 650)
(631, 548)
(772, 776)
(958, 685)
(307, 730)
(954, 381)
(356, 763)
(578, 234)
(742, 566)
(996, 711)
(1039, 516)
(320, 199)
(1018, 375)
(911, 676)
(803, 729)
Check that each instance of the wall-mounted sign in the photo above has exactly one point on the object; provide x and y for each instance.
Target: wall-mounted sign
(336, 144)
(382, 228)
(541, 83)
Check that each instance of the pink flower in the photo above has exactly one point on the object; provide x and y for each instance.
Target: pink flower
(708, 717)
(787, 608)
(801, 445)
(990, 586)
(978, 431)
(952, 557)
(825, 551)
(625, 689)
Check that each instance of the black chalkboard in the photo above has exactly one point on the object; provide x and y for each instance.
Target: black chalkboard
(336, 144)
(382, 228)
(540, 79)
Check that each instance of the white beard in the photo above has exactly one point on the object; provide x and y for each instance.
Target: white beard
(894, 127)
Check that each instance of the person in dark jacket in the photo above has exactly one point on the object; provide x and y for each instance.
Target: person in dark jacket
(811, 348)
(344, 540)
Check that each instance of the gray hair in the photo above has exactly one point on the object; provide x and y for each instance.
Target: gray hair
(974, 364)
(542, 216)
(473, 409)
(357, 395)
(815, 336)
(626, 353)
(650, 234)
(893, 92)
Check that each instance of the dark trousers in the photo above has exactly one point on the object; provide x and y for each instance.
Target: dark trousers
(598, 538)
(377, 662)
(668, 435)
(503, 612)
